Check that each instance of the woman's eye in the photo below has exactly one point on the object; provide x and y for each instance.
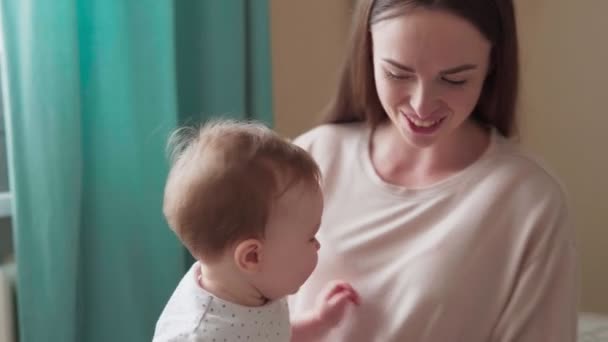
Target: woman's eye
(394, 76)
(454, 82)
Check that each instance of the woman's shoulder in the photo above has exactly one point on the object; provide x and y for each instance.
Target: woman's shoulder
(526, 171)
(333, 135)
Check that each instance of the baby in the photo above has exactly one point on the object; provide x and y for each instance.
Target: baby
(247, 205)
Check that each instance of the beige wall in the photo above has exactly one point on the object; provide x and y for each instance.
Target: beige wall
(308, 39)
(564, 113)
(565, 86)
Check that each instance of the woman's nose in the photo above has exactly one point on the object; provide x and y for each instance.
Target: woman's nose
(423, 101)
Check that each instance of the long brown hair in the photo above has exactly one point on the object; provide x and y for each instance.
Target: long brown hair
(356, 98)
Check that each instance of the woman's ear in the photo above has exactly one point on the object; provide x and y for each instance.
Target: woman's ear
(248, 255)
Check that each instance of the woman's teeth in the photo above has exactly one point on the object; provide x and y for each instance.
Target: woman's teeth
(422, 123)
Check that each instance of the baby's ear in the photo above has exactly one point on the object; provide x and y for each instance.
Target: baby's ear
(248, 255)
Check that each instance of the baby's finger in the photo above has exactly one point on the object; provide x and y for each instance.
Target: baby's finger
(354, 296)
(339, 301)
(345, 287)
(335, 288)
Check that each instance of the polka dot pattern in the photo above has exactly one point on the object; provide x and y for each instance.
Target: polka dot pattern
(194, 315)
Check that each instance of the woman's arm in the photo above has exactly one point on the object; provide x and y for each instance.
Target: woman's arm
(543, 305)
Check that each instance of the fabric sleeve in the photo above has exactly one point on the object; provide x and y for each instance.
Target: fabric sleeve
(543, 302)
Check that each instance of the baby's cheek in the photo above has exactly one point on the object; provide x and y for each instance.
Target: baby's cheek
(313, 263)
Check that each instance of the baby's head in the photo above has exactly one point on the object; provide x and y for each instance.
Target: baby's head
(238, 192)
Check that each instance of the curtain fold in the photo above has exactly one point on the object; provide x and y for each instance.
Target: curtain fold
(91, 90)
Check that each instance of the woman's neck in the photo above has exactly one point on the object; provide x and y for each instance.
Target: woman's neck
(398, 162)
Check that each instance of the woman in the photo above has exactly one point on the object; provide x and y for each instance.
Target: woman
(447, 230)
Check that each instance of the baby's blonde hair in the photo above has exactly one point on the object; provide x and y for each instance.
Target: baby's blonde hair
(224, 179)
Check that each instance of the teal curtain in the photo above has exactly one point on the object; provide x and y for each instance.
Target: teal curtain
(91, 90)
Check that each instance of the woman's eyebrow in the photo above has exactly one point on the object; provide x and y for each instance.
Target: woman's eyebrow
(454, 70)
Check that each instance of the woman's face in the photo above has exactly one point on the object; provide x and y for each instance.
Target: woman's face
(429, 69)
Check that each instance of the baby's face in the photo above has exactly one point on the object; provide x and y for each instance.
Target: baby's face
(290, 246)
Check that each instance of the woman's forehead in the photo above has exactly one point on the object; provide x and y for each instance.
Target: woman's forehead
(421, 34)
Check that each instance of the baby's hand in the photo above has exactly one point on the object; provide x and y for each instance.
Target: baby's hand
(330, 308)
(333, 302)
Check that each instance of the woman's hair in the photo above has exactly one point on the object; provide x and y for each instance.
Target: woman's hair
(356, 98)
(224, 180)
